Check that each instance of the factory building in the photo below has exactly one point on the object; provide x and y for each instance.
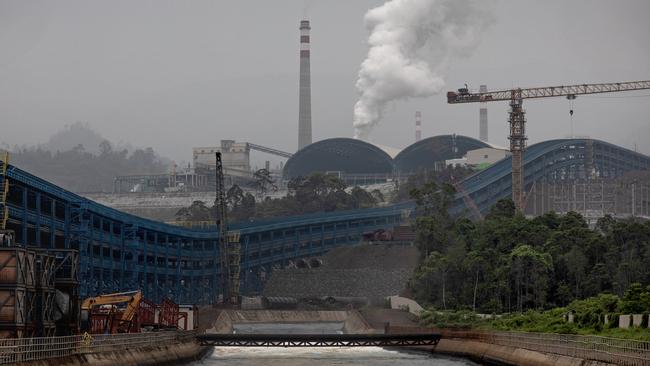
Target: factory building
(480, 158)
(432, 153)
(351, 159)
(359, 162)
(235, 157)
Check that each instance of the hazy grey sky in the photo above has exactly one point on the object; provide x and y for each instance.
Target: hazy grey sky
(177, 74)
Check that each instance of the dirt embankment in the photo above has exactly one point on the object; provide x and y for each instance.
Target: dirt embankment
(207, 315)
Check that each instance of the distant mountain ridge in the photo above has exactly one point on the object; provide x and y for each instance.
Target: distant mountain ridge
(79, 159)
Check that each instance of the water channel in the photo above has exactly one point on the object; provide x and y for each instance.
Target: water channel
(361, 356)
(355, 356)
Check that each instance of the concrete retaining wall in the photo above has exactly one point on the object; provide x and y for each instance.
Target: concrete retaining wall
(503, 355)
(352, 321)
(146, 356)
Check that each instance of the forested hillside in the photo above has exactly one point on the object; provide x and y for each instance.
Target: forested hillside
(87, 166)
(509, 263)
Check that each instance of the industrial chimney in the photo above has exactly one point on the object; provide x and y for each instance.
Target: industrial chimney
(483, 122)
(418, 126)
(304, 99)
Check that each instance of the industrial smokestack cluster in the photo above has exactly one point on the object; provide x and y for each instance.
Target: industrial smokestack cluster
(483, 121)
(304, 98)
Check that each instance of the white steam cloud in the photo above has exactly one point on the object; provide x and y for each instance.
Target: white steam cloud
(411, 42)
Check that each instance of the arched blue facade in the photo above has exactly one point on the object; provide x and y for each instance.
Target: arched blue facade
(345, 155)
(427, 153)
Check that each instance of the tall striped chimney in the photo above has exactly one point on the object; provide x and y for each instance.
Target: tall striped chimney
(483, 121)
(304, 99)
(418, 126)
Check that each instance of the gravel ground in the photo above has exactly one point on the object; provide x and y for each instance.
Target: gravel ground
(371, 271)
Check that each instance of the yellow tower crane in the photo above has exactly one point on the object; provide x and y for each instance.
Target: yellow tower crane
(517, 118)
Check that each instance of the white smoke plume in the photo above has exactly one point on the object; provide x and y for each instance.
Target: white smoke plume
(411, 42)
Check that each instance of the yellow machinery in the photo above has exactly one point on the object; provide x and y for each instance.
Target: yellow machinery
(111, 313)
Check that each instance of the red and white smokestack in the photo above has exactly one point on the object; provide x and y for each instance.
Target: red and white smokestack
(483, 117)
(418, 126)
(304, 98)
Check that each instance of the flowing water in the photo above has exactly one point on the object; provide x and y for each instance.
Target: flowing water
(317, 356)
(354, 356)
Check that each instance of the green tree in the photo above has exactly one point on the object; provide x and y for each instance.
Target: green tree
(529, 270)
(432, 273)
(636, 300)
(197, 211)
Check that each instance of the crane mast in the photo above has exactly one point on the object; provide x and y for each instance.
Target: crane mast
(229, 248)
(517, 118)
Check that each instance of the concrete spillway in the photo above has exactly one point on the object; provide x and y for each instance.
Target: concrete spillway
(278, 321)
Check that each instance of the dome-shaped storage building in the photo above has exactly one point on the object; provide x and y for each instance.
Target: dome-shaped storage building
(432, 152)
(349, 157)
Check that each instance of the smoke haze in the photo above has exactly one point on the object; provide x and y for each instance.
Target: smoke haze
(411, 43)
(173, 75)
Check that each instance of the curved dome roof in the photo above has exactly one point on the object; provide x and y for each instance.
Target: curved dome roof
(346, 155)
(426, 153)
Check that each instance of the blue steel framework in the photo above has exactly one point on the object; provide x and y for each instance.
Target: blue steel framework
(551, 161)
(120, 252)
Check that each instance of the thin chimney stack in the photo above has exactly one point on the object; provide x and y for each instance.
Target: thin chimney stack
(483, 118)
(304, 98)
(418, 126)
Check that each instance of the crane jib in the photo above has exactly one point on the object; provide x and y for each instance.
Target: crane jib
(464, 96)
(517, 120)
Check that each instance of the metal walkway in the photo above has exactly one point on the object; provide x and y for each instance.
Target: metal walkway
(318, 340)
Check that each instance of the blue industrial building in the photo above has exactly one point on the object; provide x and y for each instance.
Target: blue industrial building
(119, 251)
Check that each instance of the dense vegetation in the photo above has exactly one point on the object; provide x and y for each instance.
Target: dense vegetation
(594, 315)
(75, 160)
(508, 263)
(316, 193)
(449, 175)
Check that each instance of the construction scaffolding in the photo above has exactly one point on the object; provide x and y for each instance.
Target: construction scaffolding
(592, 198)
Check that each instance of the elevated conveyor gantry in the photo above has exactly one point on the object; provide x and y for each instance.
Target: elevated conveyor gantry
(517, 119)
